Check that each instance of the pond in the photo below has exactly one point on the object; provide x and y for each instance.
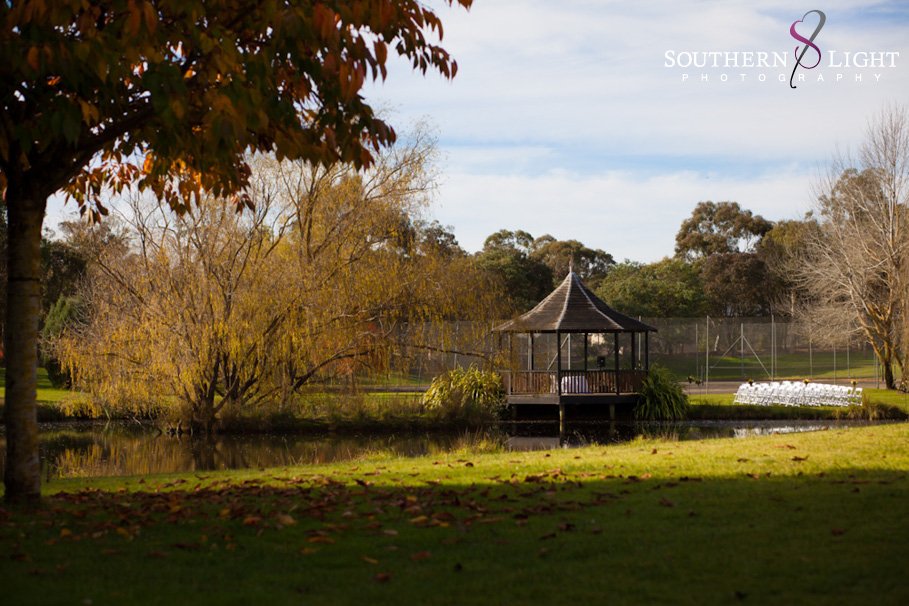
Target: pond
(87, 449)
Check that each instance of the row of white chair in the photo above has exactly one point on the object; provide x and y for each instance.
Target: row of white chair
(791, 393)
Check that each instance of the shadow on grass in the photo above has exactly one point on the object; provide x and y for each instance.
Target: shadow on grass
(539, 536)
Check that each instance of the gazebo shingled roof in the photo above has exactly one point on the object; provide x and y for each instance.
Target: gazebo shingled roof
(572, 307)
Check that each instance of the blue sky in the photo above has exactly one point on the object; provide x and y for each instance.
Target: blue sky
(563, 118)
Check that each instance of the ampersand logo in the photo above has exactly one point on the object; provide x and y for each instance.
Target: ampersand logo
(808, 43)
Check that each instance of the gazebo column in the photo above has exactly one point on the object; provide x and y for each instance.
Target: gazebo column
(559, 365)
(585, 354)
(634, 352)
(530, 354)
(615, 355)
(559, 380)
(647, 351)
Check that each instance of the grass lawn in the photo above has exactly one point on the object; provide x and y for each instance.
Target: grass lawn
(815, 518)
(47, 393)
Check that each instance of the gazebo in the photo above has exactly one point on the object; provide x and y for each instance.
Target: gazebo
(572, 348)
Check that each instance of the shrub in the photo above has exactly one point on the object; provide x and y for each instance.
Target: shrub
(468, 394)
(662, 398)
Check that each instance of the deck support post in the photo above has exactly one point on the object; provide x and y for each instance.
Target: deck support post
(612, 412)
(561, 418)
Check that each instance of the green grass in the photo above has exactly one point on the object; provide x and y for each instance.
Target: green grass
(815, 518)
(47, 393)
(788, 366)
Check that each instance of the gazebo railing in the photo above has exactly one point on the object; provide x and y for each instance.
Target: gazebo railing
(528, 382)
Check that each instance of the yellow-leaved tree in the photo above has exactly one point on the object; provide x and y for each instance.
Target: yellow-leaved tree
(214, 308)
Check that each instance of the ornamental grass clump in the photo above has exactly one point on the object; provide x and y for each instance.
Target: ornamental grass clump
(466, 394)
(662, 398)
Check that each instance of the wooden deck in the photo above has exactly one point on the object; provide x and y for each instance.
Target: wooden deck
(590, 387)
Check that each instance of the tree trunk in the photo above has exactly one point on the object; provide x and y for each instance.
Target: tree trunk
(889, 382)
(23, 472)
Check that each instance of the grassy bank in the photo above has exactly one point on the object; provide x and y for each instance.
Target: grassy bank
(401, 409)
(814, 518)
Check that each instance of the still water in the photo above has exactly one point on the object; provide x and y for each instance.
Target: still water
(87, 449)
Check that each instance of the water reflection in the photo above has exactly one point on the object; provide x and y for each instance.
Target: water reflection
(95, 449)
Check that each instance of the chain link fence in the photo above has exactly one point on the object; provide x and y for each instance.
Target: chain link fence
(696, 350)
(762, 349)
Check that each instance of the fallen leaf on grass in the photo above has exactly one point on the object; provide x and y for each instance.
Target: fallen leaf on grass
(666, 502)
(420, 556)
(285, 519)
(320, 539)
(382, 577)
(800, 459)
(369, 560)
(837, 532)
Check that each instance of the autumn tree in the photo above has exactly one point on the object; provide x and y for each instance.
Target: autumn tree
(171, 95)
(855, 265)
(215, 309)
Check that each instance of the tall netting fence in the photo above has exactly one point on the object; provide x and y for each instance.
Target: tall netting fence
(697, 350)
(761, 349)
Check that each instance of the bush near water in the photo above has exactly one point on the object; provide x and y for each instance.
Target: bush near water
(466, 393)
(662, 397)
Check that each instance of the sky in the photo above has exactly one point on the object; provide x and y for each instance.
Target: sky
(565, 119)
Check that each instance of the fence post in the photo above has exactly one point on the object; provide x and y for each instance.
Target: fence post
(834, 364)
(810, 359)
(742, 349)
(772, 348)
(707, 359)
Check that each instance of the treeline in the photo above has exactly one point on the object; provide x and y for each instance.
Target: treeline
(728, 263)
